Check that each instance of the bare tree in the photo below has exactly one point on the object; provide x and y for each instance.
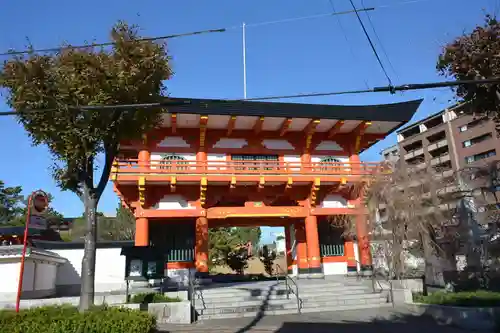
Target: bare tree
(403, 204)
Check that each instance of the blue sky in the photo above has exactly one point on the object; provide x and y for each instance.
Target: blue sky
(285, 58)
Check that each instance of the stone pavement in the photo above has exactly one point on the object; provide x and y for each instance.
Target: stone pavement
(383, 320)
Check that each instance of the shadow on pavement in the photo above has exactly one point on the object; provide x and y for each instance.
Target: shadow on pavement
(319, 323)
(396, 324)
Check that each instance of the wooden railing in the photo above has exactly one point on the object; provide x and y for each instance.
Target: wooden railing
(185, 167)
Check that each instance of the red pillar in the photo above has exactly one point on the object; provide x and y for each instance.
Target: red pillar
(201, 246)
(144, 159)
(313, 252)
(288, 245)
(141, 231)
(362, 232)
(365, 256)
(300, 238)
(352, 267)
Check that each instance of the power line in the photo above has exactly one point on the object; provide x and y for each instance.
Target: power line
(370, 22)
(147, 39)
(55, 49)
(293, 19)
(391, 89)
(167, 103)
(371, 43)
(351, 49)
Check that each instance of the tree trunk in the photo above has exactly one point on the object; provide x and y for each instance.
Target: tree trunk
(89, 254)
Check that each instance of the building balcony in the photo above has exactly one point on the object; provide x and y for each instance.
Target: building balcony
(248, 170)
(441, 159)
(414, 153)
(436, 145)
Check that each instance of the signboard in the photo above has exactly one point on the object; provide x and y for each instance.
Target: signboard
(38, 222)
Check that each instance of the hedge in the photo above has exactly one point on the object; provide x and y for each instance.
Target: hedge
(145, 298)
(480, 298)
(67, 319)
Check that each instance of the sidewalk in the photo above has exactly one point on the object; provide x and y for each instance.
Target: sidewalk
(373, 320)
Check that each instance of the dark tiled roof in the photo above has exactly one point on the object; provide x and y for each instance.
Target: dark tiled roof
(54, 245)
(397, 112)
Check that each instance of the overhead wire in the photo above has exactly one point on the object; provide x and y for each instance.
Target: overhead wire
(370, 22)
(56, 49)
(371, 43)
(351, 49)
(146, 39)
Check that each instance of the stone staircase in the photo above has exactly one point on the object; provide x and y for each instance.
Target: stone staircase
(270, 298)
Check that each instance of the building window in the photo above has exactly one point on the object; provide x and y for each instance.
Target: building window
(472, 124)
(330, 163)
(476, 140)
(168, 160)
(481, 156)
(257, 160)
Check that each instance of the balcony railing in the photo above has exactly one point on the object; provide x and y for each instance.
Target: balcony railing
(185, 167)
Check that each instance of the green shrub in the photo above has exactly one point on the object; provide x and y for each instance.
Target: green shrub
(479, 298)
(67, 319)
(145, 298)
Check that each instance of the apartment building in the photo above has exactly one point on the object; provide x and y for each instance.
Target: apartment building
(391, 154)
(449, 140)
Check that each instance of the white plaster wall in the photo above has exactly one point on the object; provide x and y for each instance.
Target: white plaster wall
(231, 143)
(294, 160)
(9, 276)
(38, 279)
(216, 161)
(334, 201)
(276, 144)
(173, 141)
(173, 201)
(335, 268)
(329, 145)
(44, 276)
(109, 274)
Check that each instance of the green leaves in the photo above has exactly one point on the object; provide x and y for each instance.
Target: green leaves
(121, 227)
(13, 207)
(62, 319)
(475, 56)
(10, 199)
(129, 72)
(225, 246)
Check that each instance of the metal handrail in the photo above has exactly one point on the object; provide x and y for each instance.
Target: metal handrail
(372, 277)
(289, 288)
(192, 284)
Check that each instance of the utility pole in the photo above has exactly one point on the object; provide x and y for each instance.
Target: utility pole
(243, 32)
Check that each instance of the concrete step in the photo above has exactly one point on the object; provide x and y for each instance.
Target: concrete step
(343, 296)
(246, 309)
(303, 296)
(320, 304)
(281, 289)
(242, 303)
(292, 311)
